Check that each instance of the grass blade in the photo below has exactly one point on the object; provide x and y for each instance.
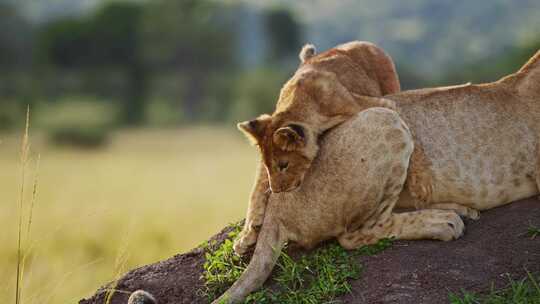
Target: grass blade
(25, 147)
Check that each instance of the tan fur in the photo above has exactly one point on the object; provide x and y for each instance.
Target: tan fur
(348, 194)
(316, 98)
(477, 146)
(327, 89)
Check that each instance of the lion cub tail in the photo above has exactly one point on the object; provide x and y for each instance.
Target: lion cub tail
(527, 79)
(269, 244)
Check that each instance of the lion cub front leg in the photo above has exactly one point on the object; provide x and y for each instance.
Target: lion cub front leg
(255, 214)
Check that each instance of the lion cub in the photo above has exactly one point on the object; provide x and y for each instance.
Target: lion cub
(314, 100)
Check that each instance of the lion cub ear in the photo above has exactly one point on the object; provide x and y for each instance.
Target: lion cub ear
(307, 52)
(290, 138)
(254, 129)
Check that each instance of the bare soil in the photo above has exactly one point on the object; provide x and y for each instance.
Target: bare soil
(493, 248)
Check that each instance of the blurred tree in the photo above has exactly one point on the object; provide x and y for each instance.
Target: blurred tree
(15, 62)
(494, 67)
(283, 33)
(15, 38)
(409, 78)
(117, 42)
(109, 40)
(115, 30)
(65, 43)
(194, 37)
(257, 92)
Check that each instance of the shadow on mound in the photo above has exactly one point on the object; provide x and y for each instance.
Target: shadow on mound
(409, 272)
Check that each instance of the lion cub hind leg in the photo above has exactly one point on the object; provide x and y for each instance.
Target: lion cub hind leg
(444, 225)
(434, 224)
(464, 211)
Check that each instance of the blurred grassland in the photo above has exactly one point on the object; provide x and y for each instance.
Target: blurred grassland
(162, 190)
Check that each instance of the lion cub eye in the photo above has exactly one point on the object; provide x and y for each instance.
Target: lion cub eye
(283, 165)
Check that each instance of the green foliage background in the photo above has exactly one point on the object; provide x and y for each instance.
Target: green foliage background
(174, 62)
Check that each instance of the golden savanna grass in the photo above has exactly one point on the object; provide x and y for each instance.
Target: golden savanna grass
(148, 195)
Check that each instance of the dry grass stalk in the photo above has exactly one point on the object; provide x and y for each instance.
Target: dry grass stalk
(120, 265)
(25, 147)
(22, 256)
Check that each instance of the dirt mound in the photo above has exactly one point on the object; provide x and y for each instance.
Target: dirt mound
(410, 272)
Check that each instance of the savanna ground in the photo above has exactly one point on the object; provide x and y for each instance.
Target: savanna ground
(495, 262)
(148, 190)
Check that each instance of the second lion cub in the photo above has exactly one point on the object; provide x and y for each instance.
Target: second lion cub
(311, 103)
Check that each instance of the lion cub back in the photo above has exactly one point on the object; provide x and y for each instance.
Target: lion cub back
(360, 162)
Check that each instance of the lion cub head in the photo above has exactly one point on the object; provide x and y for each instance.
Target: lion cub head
(287, 151)
(326, 90)
(310, 102)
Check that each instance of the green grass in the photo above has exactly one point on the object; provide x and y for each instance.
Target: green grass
(524, 291)
(317, 277)
(533, 232)
(222, 266)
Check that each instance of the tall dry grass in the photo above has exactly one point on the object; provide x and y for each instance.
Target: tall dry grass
(24, 238)
(119, 266)
(177, 186)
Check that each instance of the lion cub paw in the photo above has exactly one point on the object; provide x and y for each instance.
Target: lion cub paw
(467, 212)
(445, 225)
(473, 214)
(245, 240)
